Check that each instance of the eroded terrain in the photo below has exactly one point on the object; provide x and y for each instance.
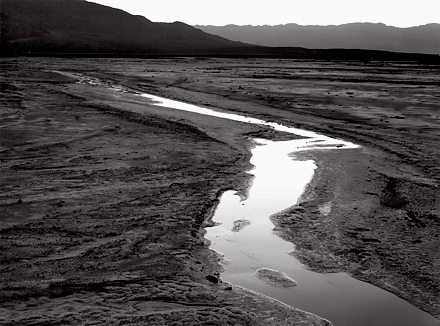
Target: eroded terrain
(104, 196)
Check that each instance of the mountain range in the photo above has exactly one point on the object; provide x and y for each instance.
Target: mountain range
(79, 27)
(368, 36)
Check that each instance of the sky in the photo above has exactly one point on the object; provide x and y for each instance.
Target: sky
(399, 13)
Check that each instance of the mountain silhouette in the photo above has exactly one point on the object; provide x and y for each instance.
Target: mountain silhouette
(368, 36)
(78, 26)
(82, 28)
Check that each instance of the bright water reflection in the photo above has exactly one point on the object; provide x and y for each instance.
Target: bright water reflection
(279, 180)
(278, 183)
(314, 139)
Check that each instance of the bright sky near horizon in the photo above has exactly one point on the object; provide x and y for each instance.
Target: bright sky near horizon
(399, 13)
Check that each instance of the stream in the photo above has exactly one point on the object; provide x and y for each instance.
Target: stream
(244, 234)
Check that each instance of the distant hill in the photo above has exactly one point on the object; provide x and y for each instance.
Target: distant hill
(82, 28)
(421, 39)
(78, 26)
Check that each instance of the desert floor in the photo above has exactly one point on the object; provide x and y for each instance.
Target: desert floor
(104, 197)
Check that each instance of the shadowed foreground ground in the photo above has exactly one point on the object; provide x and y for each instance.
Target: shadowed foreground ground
(103, 197)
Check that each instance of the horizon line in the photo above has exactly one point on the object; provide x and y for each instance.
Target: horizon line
(312, 25)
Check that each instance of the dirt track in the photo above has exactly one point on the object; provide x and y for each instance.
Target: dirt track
(102, 204)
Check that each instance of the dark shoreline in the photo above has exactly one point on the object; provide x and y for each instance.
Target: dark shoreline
(249, 52)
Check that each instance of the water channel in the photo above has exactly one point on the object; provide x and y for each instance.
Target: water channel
(278, 182)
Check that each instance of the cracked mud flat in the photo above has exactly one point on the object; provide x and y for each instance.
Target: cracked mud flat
(102, 206)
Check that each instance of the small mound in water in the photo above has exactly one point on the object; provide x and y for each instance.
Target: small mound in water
(275, 278)
(240, 225)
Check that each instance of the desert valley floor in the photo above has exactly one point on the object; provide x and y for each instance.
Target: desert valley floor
(104, 197)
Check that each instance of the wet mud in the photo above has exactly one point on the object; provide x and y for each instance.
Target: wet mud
(103, 203)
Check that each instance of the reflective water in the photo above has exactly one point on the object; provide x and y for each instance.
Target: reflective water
(279, 180)
(337, 297)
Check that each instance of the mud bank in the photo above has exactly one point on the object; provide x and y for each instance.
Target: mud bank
(375, 215)
(93, 191)
(102, 208)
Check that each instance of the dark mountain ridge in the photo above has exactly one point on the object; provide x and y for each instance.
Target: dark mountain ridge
(368, 36)
(81, 28)
(75, 26)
